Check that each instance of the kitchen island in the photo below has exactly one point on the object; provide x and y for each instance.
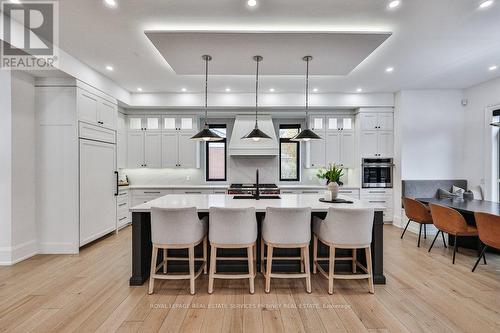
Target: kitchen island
(141, 229)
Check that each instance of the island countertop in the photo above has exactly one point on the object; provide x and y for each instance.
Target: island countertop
(204, 201)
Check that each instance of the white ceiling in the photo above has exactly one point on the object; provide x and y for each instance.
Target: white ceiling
(435, 43)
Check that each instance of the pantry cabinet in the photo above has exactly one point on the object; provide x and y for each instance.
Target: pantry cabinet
(96, 110)
(376, 135)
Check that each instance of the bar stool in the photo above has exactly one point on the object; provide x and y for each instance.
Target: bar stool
(286, 228)
(344, 228)
(232, 228)
(452, 222)
(488, 226)
(177, 228)
(419, 213)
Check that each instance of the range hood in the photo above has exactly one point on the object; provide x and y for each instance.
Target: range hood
(243, 124)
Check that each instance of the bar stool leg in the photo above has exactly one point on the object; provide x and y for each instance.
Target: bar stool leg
(191, 270)
(154, 257)
(307, 268)
(315, 253)
(269, 267)
(213, 262)
(205, 264)
(254, 258)
(331, 269)
(262, 255)
(165, 252)
(302, 260)
(354, 254)
(369, 268)
(250, 251)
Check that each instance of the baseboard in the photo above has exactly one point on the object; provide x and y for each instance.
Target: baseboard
(58, 248)
(12, 255)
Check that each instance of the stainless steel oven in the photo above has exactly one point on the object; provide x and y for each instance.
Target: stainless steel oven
(377, 172)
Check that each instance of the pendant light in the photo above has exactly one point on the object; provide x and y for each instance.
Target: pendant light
(306, 134)
(256, 134)
(206, 134)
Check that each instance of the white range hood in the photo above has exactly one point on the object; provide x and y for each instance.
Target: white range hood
(243, 124)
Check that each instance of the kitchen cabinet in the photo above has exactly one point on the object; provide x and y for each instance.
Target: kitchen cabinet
(382, 197)
(152, 149)
(96, 110)
(377, 121)
(340, 149)
(135, 150)
(121, 141)
(377, 136)
(123, 216)
(339, 123)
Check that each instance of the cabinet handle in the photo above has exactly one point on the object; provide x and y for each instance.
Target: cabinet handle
(310, 192)
(192, 192)
(375, 201)
(122, 204)
(383, 192)
(123, 218)
(149, 192)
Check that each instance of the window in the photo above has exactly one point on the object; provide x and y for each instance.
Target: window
(289, 153)
(215, 155)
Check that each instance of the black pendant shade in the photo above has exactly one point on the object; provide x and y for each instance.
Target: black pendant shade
(206, 134)
(256, 134)
(495, 124)
(306, 134)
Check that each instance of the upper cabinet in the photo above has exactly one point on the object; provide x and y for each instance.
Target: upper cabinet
(377, 135)
(95, 109)
(377, 121)
(340, 123)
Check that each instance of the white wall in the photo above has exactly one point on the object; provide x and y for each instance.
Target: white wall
(477, 146)
(429, 137)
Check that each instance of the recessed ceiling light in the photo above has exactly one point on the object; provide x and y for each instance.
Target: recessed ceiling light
(359, 90)
(110, 68)
(486, 4)
(139, 89)
(394, 4)
(228, 89)
(493, 68)
(271, 90)
(389, 69)
(315, 90)
(183, 89)
(15, 1)
(110, 3)
(252, 3)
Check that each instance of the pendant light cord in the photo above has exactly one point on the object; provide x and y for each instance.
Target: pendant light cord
(307, 90)
(256, 91)
(206, 91)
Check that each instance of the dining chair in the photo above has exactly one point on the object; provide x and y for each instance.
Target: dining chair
(177, 228)
(286, 228)
(336, 231)
(419, 213)
(488, 226)
(452, 222)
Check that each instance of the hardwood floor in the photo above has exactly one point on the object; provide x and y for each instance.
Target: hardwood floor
(90, 292)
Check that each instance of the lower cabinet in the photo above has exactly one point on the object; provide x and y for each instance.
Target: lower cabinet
(350, 192)
(123, 216)
(380, 197)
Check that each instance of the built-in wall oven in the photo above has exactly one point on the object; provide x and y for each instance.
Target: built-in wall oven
(377, 172)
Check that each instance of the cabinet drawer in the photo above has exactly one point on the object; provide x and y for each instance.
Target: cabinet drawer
(92, 132)
(290, 191)
(122, 211)
(220, 191)
(151, 193)
(193, 191)
(312, 191)
(350, 193)
(377, 191)
(123, 204)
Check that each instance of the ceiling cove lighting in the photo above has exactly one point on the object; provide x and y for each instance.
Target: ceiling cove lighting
(110, 68)
(206, 134)
(110, 3)
(486, 4)
(493, 68)
(389, 69)
(394, 4)
(306, 134)
(252, 3)
(256, 134)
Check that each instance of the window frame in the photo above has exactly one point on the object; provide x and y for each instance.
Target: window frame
(225, 155)
(287, 140)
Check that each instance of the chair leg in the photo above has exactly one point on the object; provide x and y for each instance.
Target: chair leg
(213, 262)
(191, 270)
(262, 255)
(307, 268)
(254, 259)
(331, 269)
(419, 234)
(165, 252)
(444, 242)
(354, 254)
(302, 260)
(368, 253)
(205, 263)
(432, 244)
(454, 249)
(425, 231)
(315, 253)
(250, 268)
(405, 229)
(154, 257)
(482, 255)
(269, 267)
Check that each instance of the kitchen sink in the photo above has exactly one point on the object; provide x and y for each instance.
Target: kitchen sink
(261, 197)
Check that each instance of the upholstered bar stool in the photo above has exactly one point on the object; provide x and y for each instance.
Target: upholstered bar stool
(232, 228)
(452, 222)
(344, 228)
(419, 213)
(488, 227)
(286, 228)
(177, 228)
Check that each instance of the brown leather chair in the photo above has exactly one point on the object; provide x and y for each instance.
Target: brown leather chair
(452, 222)
(417, 212)
(488, 226)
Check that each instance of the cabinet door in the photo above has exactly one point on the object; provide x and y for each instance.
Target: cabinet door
(347, 124)
(87, 107)
(169, 150)
(333, 148)
(135, 150)
(186, 123)
(333, 123)
(152, 123)
(385, 144)
(152, 149)
(135, 124)
(121, 150)
(316, 150)
(369, 121)
(368, 144)
(385, 121)
(347, 153)
(121, 123)
(188, 150)
(107, 114)
(169, 123)
(317, 123)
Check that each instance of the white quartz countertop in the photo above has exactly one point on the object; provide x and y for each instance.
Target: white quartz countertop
(147, 187)
(204, 201)
(315, 187)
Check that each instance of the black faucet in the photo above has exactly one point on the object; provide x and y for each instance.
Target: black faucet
(257, 191)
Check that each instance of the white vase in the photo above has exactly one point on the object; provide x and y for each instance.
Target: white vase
(334, 188)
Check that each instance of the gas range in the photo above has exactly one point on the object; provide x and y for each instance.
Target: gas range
(249, 189)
